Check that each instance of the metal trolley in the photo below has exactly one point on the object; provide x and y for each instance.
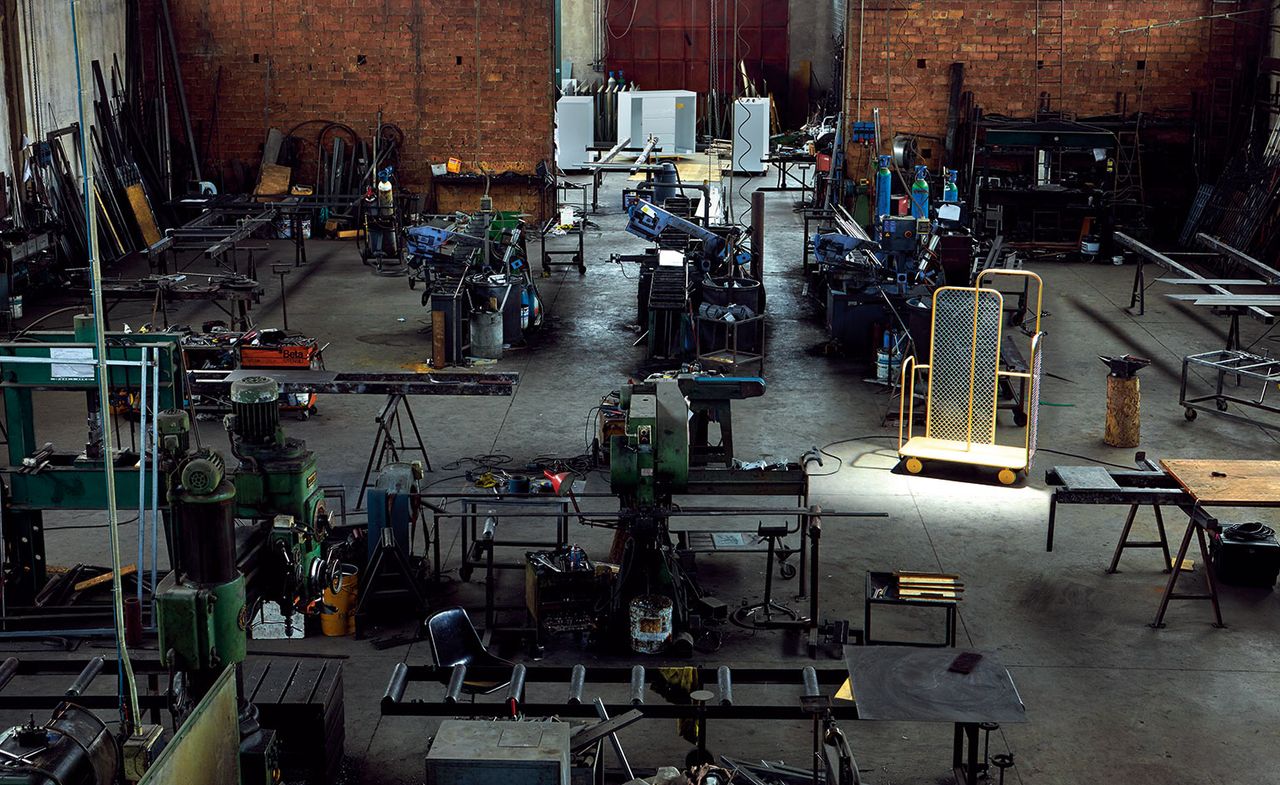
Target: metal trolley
(1260, 372)
(964, 380)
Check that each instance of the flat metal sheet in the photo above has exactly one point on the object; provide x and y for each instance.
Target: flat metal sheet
(1086, 478)
(1240, 300)
(910, 684)
(1213, 281)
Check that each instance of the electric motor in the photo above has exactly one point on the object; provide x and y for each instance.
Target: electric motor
(255, 409)
(203, 473)
(73, 748)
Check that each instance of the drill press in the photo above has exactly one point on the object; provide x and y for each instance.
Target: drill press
(201, 610)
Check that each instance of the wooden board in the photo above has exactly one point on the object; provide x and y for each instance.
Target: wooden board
(1228, 483)
(142, 213)
(273, 180)
(105, 578)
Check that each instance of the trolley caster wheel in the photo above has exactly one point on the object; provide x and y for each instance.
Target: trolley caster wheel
(1190, 414)
(914, 465)
(412, 284)
(1020, 419)
(304, 415)
(1222, 405)
(786, 571)
(1007, 476)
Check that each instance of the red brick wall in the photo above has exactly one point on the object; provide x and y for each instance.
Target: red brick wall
(996, 42)
(462, 78)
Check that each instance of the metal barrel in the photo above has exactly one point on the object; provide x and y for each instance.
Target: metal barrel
(577, 679)
(456, 679)
(637, 685)
(724, 684)
(85, 678)
(399, 682)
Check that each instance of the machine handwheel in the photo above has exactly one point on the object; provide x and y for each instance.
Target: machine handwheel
(1007, 476)
(914, 465)
(1190, 414)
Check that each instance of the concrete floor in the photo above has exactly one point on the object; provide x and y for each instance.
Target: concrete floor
(1108, 698)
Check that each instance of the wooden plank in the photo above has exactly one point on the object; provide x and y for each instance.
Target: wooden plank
(1227, 483)
(105, 577)
(142, 213)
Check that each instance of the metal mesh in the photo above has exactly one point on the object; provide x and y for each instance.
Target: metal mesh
(1033, 397)
(955, 352)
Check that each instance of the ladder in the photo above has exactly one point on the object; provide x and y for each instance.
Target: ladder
(1128, 184)
(1050, 67)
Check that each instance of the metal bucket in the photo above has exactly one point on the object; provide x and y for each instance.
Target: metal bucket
(651, 623)
(341, 621)
(486, 335)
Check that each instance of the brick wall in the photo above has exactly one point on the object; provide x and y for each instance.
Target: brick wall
(1168, 70)
(462, 78)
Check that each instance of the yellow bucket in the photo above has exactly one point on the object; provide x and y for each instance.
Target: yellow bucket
(342, 620)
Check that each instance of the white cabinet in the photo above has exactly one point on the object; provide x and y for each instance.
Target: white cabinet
(575, 130)
(669, 115)
(750, 134)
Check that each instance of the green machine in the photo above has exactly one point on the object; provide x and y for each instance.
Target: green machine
(277, 479)
(662, 452)
(201, 606)
(40, 476)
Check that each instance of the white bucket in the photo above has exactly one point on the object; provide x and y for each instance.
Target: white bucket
(882, 365)
(651, 623)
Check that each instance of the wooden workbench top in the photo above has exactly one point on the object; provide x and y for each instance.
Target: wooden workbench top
(1228, 483)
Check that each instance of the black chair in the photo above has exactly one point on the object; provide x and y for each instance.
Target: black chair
(454, 641)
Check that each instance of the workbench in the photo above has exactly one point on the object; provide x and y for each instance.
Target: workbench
(1189, 484)
(1215, 483)
(909, 684)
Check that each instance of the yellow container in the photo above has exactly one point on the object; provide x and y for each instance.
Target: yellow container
(342, 621)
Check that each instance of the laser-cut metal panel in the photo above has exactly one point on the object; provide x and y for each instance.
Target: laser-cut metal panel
(965, 356)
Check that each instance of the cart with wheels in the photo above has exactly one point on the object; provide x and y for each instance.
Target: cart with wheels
(964, 376)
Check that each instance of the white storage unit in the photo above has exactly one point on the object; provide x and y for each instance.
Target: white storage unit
(669, 115)
(750, 134)
(575, 130)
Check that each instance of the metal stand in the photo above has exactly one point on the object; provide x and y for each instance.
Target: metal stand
(388, 563)
(1197, 523)
(389, 440)
(761, 615)
(1162, 543)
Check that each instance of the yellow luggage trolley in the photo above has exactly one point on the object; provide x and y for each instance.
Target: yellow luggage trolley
(964, 377)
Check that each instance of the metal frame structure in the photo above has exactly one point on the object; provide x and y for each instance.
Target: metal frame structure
(40, 478)
(1220, 297)
(1221, 364)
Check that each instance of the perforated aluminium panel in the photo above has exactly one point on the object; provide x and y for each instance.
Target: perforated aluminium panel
(1033, 397)
(965, 356)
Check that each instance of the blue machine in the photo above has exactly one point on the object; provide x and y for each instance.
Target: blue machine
(648, 221)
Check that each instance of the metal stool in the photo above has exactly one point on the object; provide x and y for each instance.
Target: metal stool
(761, 615)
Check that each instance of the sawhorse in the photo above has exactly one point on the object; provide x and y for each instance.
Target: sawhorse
(389, 440)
